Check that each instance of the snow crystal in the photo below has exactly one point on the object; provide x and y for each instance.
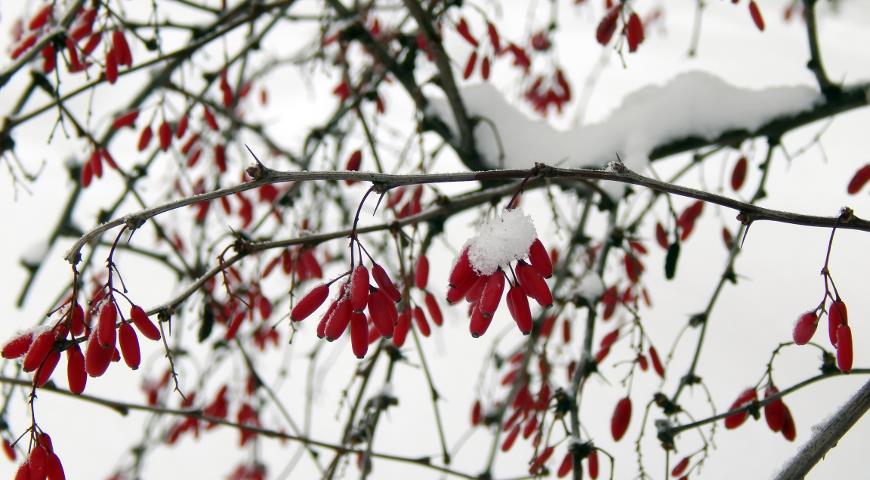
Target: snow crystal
(691, 104)
(501, 240)
(591, 287)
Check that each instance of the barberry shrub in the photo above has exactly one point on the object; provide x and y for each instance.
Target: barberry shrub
(339, 239)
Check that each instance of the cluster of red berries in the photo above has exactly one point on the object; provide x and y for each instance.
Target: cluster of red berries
(484, 292)
(347, 310)
(839, 332)
(42, 351)
(776, 413)
(41, 463)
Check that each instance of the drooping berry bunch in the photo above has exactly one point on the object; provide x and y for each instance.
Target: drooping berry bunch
(776, 414)
(479, 273)
(347, 309)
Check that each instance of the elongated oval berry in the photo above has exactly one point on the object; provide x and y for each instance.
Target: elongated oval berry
(592, 464)
(805, 328)
(737, 419)
(534, 285)
(861, 177)
(656, 361)
(129, 345)
(680, 467)
(491, 295)
(143, 323)
(106, 325)
(607, 26)
(540, 460)
(310, 302)
(844, 348)
(77, 320)
(738, 175)
(359, 334)
(510, 438)
(456, 293)
(337, 323)
(403, 325)
(359, 288)
(125, 120)
(789, 432)
(540, 259)
(433, 309)
(386, 285)
(75, 369)
(38, 459)
(479, 322)
(164, 134)
(23, 472)
(621, 418)
(53, 468)
(18, 346)
(518, 305)
(420, 320)
(421, 272)
(97, 358)
(321, 326)
(774, 412)
(634, 32)
(566, 466)
(662, 236)
(382, 312)
(38, 350)
(837, 315)
(44, 371)
(476, 290)
(462, 270)
(145, 138)
(755, 13)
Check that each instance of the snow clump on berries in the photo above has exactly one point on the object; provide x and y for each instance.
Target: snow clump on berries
(501, 240)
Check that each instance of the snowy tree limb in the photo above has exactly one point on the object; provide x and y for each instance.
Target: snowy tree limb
(825, 437)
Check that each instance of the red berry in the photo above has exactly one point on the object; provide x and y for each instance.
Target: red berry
(774, 412)
(310, 302)
(359, 288)
(433, 309)
(680, 467)
(382, 312)
(540, 259)
(44, 371)
(607, 26)
(338, 321)
(386, 285)
(75, 369)
(106, 324)
(518, 305)
(403, 325)
(18, 346)
(143, 323)
(805, 328)
(38, 350)
(421, 272)
(737, 419)
(844, 348)
(837, 315)
(359, 334)
(491, 295)
(129, 345)
(420, 320)
(621, 418)
(738, 175)
(533, 284)
(97, 358)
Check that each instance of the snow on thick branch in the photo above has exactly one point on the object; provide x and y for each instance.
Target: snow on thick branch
(691, 104)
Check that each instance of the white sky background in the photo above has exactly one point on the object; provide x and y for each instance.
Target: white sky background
(778, 275)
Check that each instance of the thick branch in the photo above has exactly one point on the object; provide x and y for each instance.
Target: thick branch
(826, 437)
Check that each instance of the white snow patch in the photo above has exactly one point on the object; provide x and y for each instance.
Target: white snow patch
(591, 287)
(34, 254)
(691, 104)
(501, 240)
